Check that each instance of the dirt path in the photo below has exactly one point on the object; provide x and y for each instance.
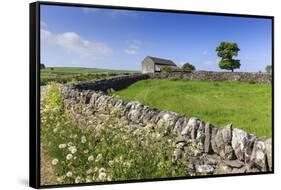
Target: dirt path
(48, 175)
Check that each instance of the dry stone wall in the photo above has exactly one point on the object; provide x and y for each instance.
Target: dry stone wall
(216, 76)
(115, 83)
(205, 148)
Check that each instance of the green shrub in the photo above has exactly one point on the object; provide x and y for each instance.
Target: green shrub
(268, 68)
(216, 84)
(174, 79)
(252, 82)
(188, 67)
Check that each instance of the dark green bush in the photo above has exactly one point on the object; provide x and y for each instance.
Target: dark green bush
(216, 84)
(252, 82)
(188, 67)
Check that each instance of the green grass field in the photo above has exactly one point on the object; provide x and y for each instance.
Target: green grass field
(247, 106)
(74, 74)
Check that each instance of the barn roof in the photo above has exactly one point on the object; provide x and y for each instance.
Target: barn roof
(161, 61)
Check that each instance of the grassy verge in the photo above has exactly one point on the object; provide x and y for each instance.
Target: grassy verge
(246, 105)
(105, 152)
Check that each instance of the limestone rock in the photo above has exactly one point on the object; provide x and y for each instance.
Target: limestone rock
(239, 170)
(268, 150)
(169, 119)
(200, 136)
(207, 141)
(191, 128)
(212, 159)
(242, 144)
(258, 157)
(179, 125)
(222, 168)
(204, 169)
(146, 118)
(221, 142)
(234, 163)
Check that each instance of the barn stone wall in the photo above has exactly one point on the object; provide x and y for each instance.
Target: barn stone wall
(207, 149)
(216, 76)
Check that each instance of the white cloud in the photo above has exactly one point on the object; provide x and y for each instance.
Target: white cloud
(74, 43)
(130, 51)
(45, 34)
(43, 24)
(133, 47)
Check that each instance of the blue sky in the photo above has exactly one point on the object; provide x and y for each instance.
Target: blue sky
(120, 39)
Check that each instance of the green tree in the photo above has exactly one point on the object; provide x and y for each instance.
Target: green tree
(188, 67)
(228, 50)
(229, 64)
(268, 68)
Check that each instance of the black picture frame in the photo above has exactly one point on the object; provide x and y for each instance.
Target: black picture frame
(34, 90)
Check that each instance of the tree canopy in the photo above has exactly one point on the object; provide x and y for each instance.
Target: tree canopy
(229, 64)
(268, 68)
(188, 67)
(228, 50)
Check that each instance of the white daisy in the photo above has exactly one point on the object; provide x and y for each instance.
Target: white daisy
(89, 171)
(55, 161)
(72, 149)
(91, 158)
(69, 174)
(62, 146)
(102, 176)
(110, 163)
(99, 157)
(78, 179)
(69, 156)
(83, 139)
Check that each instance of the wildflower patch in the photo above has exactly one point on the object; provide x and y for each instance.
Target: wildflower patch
(84, 152)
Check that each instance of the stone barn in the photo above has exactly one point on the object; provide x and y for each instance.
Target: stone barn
(155, 64)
